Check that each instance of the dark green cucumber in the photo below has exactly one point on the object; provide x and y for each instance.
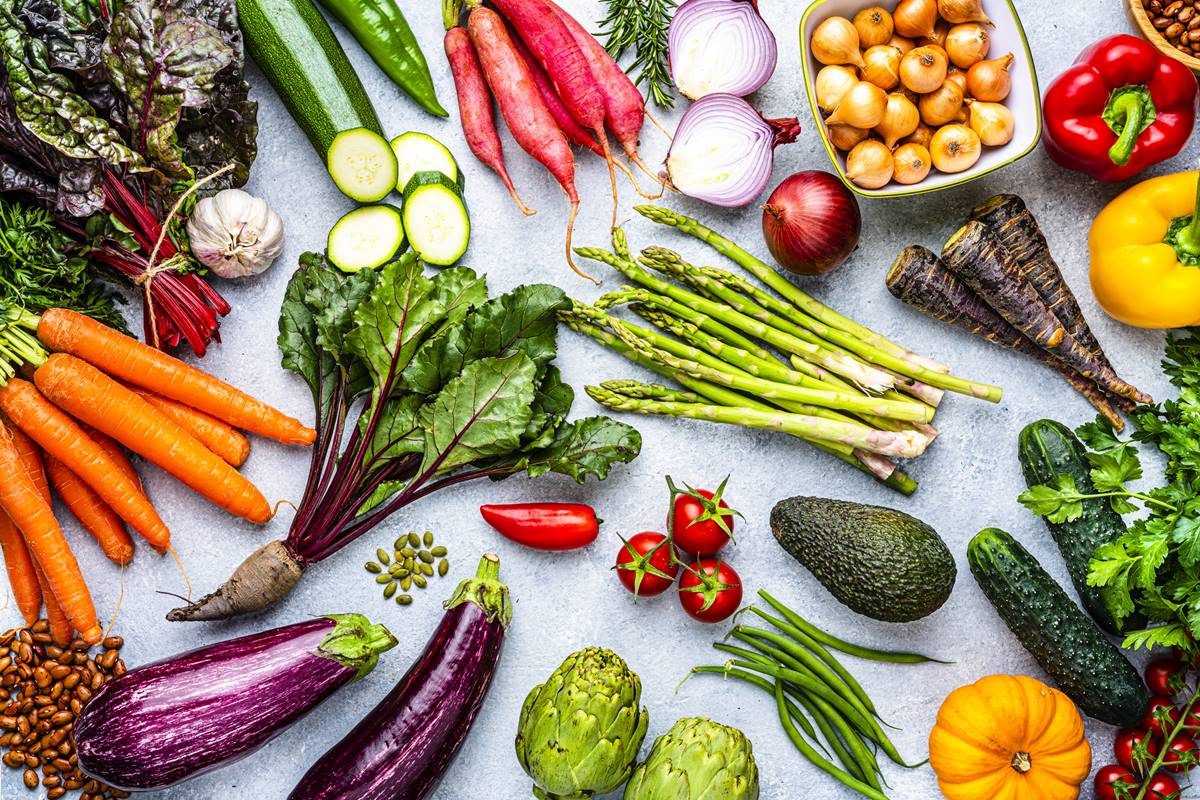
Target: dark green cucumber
(1047, 449)
(1069, 646)
(296, 49)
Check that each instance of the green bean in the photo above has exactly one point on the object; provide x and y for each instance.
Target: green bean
(860, 756)
(829, 639)
(814, 757)
(764, 684)
(815, 664)
(828, 731)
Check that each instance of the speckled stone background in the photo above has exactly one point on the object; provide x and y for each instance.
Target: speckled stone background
(969, 478)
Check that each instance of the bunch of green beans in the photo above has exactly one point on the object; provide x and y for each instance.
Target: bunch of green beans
(824, 711)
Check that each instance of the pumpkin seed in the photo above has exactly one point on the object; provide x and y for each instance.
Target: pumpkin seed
(425, 556)
(389, 590)
(419, 580)
(438, 552)
(395, 569)
(397, 555)
(384, 578)
(399, 543)
(428, 538)
(407, 552)
(383, 556)
(414, 541)
(427, 569)
(404, 599)
(406, 582)
(443, 567)
(372, 567)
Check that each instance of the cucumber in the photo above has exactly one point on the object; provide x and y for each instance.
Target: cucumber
(420, 152)
(366, 238)
(1046, 449)
(436, 219)
(362, 165)
(1069, 646)
(296, 49)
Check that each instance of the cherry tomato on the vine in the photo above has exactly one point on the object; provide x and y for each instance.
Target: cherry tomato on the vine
(1181, 755)
(699, 521)
(1164, 676)
(710, 590)
(1126, 743)
(1106, 777)
(1162, 786)
(1151, 720)
(645, 564)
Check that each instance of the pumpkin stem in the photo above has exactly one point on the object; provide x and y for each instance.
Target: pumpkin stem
(1021, 762)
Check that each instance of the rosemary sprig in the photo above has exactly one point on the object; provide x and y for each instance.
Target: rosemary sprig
(643, 25)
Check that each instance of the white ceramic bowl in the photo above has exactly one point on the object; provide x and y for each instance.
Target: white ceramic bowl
(1025, 100)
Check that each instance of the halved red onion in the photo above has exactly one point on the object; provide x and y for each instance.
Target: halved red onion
(723, 150)
(720, 46)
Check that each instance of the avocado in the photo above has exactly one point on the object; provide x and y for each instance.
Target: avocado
(880, 562)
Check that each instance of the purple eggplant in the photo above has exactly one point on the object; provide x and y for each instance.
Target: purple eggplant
(401, 749)
(165, 722)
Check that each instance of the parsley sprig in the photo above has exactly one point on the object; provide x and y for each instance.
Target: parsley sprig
(1154, 567)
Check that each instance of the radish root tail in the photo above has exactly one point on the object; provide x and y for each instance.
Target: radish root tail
(512, 191)
(602, 137)
(112, 623)
(570, 234)
(633, 180)
(656, 123)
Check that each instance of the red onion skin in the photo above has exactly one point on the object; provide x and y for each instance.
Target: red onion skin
(811, 223)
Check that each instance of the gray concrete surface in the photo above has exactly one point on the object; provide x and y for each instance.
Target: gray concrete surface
(969, 478)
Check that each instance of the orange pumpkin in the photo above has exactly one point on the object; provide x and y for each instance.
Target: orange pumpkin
(1009, 737)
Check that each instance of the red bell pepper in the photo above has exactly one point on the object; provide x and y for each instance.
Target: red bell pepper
(544, 526)
(1120, 108)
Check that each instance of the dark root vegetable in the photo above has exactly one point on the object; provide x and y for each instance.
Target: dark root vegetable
(811, 223)
(263, 579)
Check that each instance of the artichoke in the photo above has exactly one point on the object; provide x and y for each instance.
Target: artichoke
(697, 760)
(581, 730)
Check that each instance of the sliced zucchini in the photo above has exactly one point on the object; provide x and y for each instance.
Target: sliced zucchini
(420, 152)
(366, 238)
(362, 165)
(436, 218)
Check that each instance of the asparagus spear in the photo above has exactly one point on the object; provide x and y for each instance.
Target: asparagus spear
(760, 270)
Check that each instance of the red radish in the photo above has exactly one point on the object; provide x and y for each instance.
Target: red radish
(529, 121)
(575, 133)
(563, 59)
(475, 108)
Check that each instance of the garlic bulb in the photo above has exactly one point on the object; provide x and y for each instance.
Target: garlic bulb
(235, 234)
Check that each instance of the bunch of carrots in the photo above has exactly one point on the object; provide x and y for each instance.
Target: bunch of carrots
(93, 391)
(555, 85)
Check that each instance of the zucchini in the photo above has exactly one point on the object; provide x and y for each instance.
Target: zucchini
(296, 49)
(420, 152)
(366, 238)
(362, 165)
(436, 219)
(1069, 646)
(1046, 449)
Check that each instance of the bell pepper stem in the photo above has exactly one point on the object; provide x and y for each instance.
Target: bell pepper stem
(1128, 107)
(1188, 239)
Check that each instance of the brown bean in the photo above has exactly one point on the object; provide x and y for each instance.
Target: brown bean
(1173, 9)
(60, 719)
(71, 681)
(31, 779)
(119, 669)
(1173, 31)
(113, 643)
(13, 759)
(50, 781)
(56, 793)
(62, 764)
(84, 693)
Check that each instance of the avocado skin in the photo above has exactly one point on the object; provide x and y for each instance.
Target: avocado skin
(880, 562)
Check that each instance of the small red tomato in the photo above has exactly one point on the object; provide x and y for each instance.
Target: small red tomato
(1161, 787)
(700, 522)
(1164, 676)
(1181, 755)
(1108, 777)
(1152, 722)
(645, 564)
(1191, 723)
(1126, 745)
(710, 590)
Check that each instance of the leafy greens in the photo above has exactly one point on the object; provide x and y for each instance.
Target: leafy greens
(447, 384)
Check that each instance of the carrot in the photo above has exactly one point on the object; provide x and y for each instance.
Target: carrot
(22, 573)
(61, 630)
(93, 513)
(62, 437)
(116, 453)
(475, 109)
(128, 359)
(19, 496)
(567, 67)
(231, 446)
(87, 393)
(529, 121)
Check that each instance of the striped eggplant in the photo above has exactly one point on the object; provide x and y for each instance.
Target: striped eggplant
(172, 720)
(400, 750)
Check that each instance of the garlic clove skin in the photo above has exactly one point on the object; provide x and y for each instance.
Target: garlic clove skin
(235, 234)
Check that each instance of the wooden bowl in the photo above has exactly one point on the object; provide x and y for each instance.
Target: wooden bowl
(1138, 12)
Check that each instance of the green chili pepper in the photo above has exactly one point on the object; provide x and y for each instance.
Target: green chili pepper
(380, 27)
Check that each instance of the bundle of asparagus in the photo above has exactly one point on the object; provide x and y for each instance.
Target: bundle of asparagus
(843, 388)
(997, 279)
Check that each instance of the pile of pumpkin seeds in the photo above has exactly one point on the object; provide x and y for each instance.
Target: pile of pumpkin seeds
(413, 561)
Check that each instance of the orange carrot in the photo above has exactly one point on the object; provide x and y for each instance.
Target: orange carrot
(62, 437)
(31, 458)
(87, 393)
(61, 630)
(19, 496)
(230, 445)
(115, 452)
(22, 574)
(129, 360)
(93, 513)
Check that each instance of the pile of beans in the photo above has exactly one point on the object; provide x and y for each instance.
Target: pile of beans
(1178, 21)
(43, 688)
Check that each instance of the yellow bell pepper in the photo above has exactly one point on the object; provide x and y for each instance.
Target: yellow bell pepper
(1145, 248)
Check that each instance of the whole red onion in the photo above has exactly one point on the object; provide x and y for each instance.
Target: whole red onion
(811, 222)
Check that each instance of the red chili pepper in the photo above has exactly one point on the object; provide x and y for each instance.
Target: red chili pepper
(544, 526)
(1120, 108)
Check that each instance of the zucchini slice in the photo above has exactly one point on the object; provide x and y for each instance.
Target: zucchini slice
(366, 238)
(436, 218)
(362, 165)
(420, 152)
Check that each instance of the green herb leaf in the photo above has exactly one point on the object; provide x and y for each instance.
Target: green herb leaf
(1111, 471)
(551, 404)
(590, 446)
(1098, 435)
(309, 288)
(1059, 502)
